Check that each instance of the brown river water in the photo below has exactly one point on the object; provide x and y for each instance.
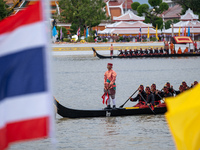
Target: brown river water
(78, 83)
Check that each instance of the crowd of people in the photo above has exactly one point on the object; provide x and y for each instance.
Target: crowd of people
(168, 49)
(151, 96)
(142, 52)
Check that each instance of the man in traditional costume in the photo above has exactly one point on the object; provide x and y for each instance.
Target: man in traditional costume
(110, 86)
(111, 50)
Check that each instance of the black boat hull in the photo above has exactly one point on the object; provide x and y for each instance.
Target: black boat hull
(148, 56)
(72, 113)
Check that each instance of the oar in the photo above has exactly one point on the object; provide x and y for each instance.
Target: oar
(160, 97)
(128, 99)
(148, 105)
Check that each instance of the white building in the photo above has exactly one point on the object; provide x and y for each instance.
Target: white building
(169, 2)
(129, 24)
(189, 21)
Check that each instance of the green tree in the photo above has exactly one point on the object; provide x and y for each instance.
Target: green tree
(142, 9)
(135, 5)
(151, 15)
(192, 4)
(4, 12)
(82, 13)
(169, 22)
(155, 3)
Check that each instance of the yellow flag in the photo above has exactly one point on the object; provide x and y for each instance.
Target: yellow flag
(179, 31)
(148, 33)
(157, 31)
(183, 117)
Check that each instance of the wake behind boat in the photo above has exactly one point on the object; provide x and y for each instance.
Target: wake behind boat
(147, 56)
(127, 111)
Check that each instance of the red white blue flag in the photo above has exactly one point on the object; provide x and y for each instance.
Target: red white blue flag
(26, 105)
(140, 31)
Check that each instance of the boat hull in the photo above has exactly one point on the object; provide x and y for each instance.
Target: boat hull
(148, 56)
(73, 113)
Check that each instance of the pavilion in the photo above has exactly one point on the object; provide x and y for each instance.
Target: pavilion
(129, 24)
(189, 22)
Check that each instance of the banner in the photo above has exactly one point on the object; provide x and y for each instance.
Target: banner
(26, 103)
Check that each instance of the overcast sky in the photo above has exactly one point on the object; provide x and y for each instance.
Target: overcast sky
(141, 1)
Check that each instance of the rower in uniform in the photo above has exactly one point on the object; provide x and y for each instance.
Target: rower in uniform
(146, 51)
(140, 96)
(156, 51)
(151, 51)
(156, 96)
(181, 89)
(136, 52)
(161, 50)
(130, 52)
(141, 51)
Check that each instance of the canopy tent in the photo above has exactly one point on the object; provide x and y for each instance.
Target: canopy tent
(182, 40)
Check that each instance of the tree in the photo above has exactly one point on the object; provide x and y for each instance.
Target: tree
(142, 9)
(134, 5)
(155, 3)
(82, 13)
(4, 12)
(192, 4)
(169, 22)
(151, 16)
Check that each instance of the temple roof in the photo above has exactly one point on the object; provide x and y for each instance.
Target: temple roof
(172, 12)
(188, 20)
(128, 16)
(131, 27)
(125, 3)
(131, 24)
(187, 23)
(189, 15)
(116, 8)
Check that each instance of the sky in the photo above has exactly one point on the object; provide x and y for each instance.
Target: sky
(141, 1)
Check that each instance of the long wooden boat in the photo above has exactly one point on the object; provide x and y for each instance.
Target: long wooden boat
(148, 56)
(129, 111)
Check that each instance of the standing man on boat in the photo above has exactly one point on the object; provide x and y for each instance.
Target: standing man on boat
(172, 48)
(111, 50)
(109, 85)
(166, 48)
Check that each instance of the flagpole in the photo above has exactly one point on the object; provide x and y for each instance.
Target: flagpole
(141, 34)
(164, 26)
(192, 31)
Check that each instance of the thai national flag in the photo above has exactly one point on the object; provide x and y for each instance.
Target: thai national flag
(26, 108)
(140, 31)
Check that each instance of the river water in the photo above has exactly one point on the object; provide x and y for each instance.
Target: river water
(78, 83)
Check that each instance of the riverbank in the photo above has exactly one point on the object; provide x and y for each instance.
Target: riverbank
(86, 48)
(105, 46)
